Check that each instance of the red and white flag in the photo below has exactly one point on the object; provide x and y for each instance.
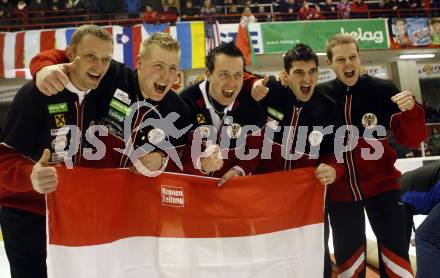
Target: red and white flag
(111, 223)
(18, 48)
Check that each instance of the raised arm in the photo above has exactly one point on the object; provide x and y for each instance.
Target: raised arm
(409, 126)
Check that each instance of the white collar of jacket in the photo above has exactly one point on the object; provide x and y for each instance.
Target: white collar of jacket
(216, 121)
(81, 94)
(208, 104)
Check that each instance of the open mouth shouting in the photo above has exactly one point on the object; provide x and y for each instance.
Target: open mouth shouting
(160, 87)
(228, 93)
(305, 90)
(94, 76)
(349, 74)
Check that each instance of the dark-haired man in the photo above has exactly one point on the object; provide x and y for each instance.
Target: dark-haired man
(225, 117)
(301, 121)
(294, 105)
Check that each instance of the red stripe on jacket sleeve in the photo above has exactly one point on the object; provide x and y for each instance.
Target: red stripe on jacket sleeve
(47, 58)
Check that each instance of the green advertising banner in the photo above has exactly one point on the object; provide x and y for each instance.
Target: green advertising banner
(279, 37)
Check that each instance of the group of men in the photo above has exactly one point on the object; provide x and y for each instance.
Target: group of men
(231, 124)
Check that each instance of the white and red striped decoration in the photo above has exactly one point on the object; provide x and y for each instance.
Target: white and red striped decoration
(17, 49)
(111, 223)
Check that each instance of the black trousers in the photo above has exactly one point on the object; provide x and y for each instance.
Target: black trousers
(387, 218)
(24, 235)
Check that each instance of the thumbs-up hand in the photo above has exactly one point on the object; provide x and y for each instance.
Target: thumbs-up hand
(72, 66)
(52, 79)
(259, 89)
(44, 177)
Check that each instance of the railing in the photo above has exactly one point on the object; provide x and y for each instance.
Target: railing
(63, 18)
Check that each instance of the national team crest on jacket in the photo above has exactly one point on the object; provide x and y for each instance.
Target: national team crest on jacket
(233, 131)
(204, 131)
(369, 120)
(156, 135)
(315, 138)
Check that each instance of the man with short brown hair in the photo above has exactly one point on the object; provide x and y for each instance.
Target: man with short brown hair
(35, 138)
(369, 107)
(291, 104)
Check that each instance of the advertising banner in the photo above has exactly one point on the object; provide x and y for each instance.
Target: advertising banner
(279, 37)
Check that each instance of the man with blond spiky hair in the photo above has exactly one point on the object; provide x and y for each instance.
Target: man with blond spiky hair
(147, 142)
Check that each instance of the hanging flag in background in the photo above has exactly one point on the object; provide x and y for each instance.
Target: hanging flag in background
(123, 225)
(123, 41)
(11, 54)
(212, 36)
(36, 41)
(244, 43)
(191, 37)
(63, 36)
(18, 48)
(144, 31)
(25, 45)
(150, 29)
(128, 40)
(256, 40)
(228, 32)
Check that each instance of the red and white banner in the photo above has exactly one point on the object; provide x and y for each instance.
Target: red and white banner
(17, 49)
(111, 223)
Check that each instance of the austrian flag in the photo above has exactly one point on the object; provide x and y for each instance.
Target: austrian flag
(112, 223)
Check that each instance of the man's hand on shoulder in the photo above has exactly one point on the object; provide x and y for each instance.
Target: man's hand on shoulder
(52, 79)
